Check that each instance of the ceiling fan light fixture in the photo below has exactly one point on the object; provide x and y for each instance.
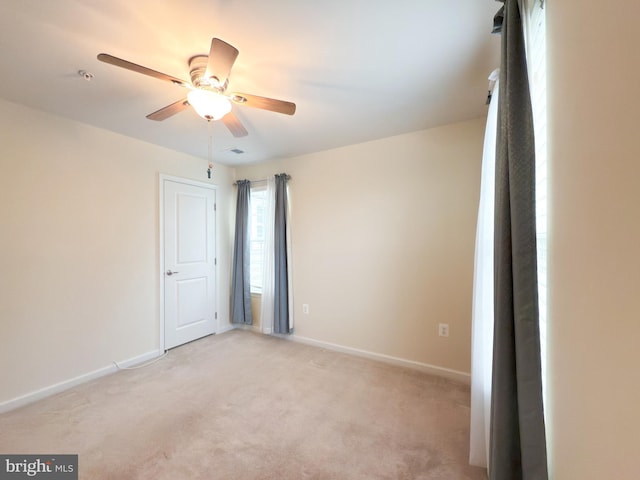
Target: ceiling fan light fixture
(209, 105)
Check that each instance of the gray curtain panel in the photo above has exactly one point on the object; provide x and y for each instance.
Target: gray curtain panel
(240, 286)
(518, 446)
(281, 287)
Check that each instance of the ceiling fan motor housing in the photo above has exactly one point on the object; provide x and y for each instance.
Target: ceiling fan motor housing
(198, 72)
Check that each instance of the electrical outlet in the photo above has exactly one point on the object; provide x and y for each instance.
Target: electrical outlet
(443, 329)
(305, 308)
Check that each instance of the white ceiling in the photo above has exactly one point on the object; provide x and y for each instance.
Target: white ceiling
(357, 69)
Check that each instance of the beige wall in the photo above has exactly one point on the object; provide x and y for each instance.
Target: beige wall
(79, 247)
(383, 242)
(594, 322)
(256, 310)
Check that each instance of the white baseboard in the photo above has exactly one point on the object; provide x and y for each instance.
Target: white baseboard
(251, 328)
(36, 395)
(456, 375)
(226, 328)
(145, 357)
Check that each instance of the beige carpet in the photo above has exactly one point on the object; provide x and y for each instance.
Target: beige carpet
(246, 406)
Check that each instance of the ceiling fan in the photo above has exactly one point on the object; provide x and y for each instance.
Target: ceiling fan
(207, 89)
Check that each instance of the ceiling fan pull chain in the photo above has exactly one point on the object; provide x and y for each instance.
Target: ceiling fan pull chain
(210, 150)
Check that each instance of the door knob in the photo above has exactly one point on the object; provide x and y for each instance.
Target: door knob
(169, 273)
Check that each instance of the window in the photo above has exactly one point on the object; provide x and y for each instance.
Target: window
(257, 238)
(535, 34)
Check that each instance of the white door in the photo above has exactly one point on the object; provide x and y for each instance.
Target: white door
(189, 262)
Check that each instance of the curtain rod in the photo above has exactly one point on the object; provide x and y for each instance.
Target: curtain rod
(260, 181)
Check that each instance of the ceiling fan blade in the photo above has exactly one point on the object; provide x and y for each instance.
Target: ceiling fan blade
(169, 110)
(222, 56)
(118, 62)
(233, 124)
(264, 103)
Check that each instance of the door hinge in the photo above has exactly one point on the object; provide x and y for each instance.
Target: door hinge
(216, 315)
(215, 207)
(215, 261)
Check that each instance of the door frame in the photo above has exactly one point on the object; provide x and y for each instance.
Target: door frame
(187, 181)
